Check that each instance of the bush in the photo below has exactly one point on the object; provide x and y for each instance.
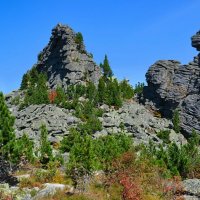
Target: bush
(45, 147)
(37, 91)
(7, 136)
(176, 121)
(164, 135)
(182, 160)
(126, 90)
(79, 40)
(139, 88)
(23, 149)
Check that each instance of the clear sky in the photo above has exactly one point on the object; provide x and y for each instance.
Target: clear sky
(134, 34)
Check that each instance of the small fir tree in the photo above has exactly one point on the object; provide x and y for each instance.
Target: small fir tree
(45, 146)
(176, 121)
(107, 71)
(7, 136)
(101, 90)
(79, 40)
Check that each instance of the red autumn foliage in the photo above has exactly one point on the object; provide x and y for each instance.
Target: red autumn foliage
(131, 191)
(124, 175)
(52, 96)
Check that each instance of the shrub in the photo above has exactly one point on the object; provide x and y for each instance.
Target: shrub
(126, 89)
(176, 121)
(23, 149)
(7, 136)
(45, 147)
(139, 88)
(164, 135)
(107, 71)
(79, 40)
(37, 92)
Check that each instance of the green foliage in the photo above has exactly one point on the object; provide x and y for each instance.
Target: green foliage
(92, 93)
(91, 126)
(176, 121)
(16, 101)
(139, 88)
(7, 136)
(107, 71)
(113, 96)
(10, 147)
(164, 135)
(25, 81)
(179, 160)
(110, 147)
(37, 92)
(23, 148)
(92, 154)
(79, 40)
(126, 90)
(45, 147)
(69, 140)
(82, 154)
(61, 97)
(102, 90)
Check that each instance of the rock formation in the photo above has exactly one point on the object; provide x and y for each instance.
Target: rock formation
(174, 86)
(65, 61)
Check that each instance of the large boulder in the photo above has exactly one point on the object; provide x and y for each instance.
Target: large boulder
(172, 85)
(65, 61)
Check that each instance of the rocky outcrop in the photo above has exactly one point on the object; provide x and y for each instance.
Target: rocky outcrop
(196, 41)
(65, 61)
(132, 118)
(57, 120)
(172, 85)
(138, 122)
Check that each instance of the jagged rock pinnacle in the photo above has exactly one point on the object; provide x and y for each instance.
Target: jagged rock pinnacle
(65, 61)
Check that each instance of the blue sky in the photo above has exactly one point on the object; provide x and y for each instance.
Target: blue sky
(134, 34)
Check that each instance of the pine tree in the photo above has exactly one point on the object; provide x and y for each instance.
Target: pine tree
(101, 90)
(79, 40)
(25, 81)
(176, 121)
(126, 90)
(107, 71)
(23, 148)
(37, 92)
(7, 136)
(45, 147)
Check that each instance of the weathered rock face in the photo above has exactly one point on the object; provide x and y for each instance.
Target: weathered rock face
(196, 41)
(65, 61)
(172, 85)
(57, 120)
(138, 122)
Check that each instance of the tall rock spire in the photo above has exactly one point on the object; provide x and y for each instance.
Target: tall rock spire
(66, 61)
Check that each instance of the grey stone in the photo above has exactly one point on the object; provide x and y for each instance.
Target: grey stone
(192, 188)
(49, 190)
(137, 121)
(174, 86)
(196, 41)
(65, 62)
(58, 121)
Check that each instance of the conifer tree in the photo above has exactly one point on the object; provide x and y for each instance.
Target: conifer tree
(79, 40)
(176, 121)
(7, 135)
(126, 90)
(107, 71)
(45, 147)
(101, 90)
(25, 81)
